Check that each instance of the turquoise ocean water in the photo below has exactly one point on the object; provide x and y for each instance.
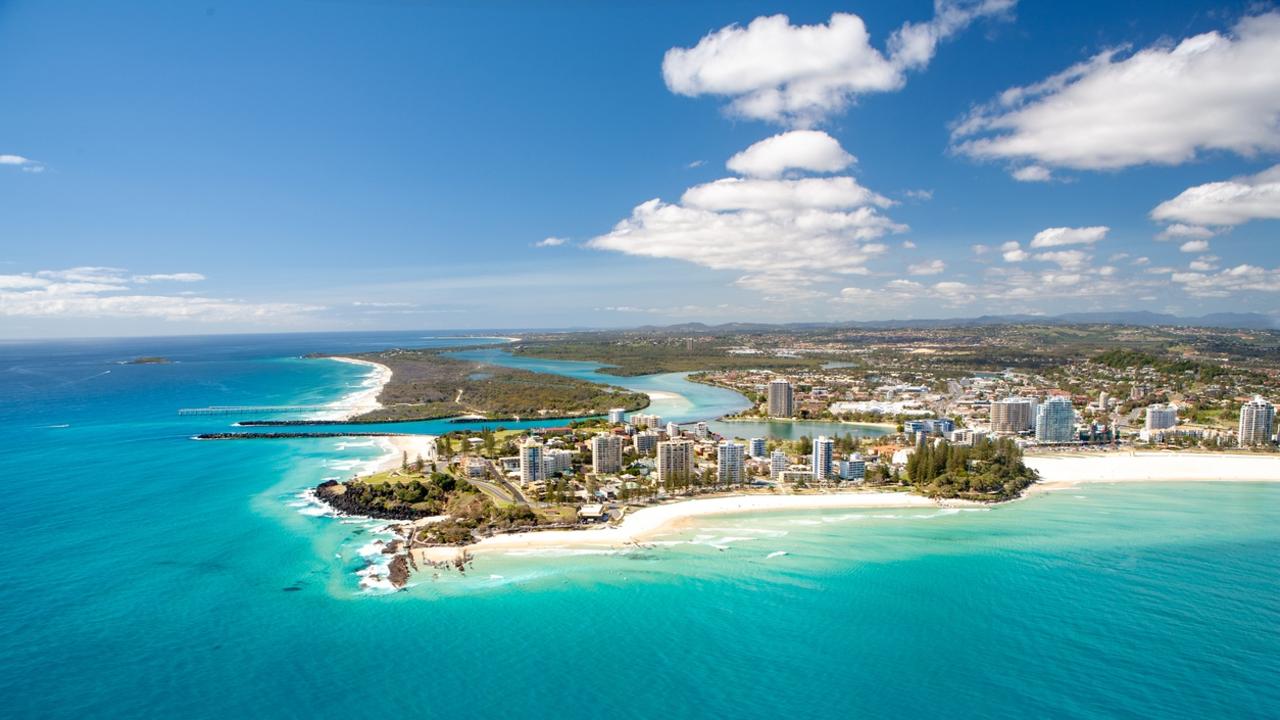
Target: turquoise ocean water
(146, 574)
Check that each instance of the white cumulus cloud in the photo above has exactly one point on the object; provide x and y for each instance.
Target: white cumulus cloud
(792, 195)
(1180, 230)
(550, 242)
(1160, 105)
(169, 277)
(1228, 282)
(1056, 236)
(27, 164)
(783, 234)
(811, 150)
(1066, 259)
(89, 292)
(930, 267)
(1230, 202)
(1012, 252)
(1032, 173)
(799, 74)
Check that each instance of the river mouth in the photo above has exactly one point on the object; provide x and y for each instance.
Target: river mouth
(675, 398)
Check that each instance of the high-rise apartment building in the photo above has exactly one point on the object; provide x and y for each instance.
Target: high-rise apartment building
(781, 400)
(1256, 418)
(675, 461)
(606, 453)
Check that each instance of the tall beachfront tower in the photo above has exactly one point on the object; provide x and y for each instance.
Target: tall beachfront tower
(1256, 418)
(1162, 417)
(781, 400)
(606, 453)
(730, 458)
(531, 466)
(1056, 421)
(756, 448)
(778, 464)
(823, 448)
(616, 415)
(1013, 415)
(675, 461)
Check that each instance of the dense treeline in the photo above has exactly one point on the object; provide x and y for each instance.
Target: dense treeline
(411, 499)
(425, 384)
(643, 356)
(989, 470)
(1120, 359)
(470, 512)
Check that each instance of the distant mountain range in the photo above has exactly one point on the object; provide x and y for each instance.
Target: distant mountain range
(1241, 321)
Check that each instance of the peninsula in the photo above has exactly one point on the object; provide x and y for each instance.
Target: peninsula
(426, 384)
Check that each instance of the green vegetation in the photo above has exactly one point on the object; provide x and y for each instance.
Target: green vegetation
(408, 495)
(646, 354)
(425, 384)
(988, 471)
(1120, 358)
(149, 360)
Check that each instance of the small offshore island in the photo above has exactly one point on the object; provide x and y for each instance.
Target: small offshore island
(149, 360)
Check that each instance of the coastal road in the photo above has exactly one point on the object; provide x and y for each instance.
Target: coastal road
(500, 491)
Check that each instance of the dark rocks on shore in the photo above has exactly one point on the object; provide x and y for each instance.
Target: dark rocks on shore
(333, 493)
(399, 570)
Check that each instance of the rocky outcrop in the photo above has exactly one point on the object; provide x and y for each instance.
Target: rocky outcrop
(398, 570)
(333, 494)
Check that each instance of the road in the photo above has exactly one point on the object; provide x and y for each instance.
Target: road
(500, 489)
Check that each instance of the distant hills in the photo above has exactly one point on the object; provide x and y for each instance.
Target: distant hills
(1240, 321)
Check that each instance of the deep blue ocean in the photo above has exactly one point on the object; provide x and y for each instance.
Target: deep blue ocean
(147, 574)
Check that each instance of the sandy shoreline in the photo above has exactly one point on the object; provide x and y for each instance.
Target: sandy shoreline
(643, 524)
(1057, 472)
(366, 398)
(1067, 470)
(397, 446)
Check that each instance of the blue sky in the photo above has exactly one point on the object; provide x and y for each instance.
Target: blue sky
(173, 167)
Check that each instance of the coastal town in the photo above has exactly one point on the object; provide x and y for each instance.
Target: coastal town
(600, 465)
(857, 431)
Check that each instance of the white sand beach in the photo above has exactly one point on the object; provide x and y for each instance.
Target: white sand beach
(645, 523)
(1057, 471)
(1068, 469)
(366, 398)
(416, 446)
